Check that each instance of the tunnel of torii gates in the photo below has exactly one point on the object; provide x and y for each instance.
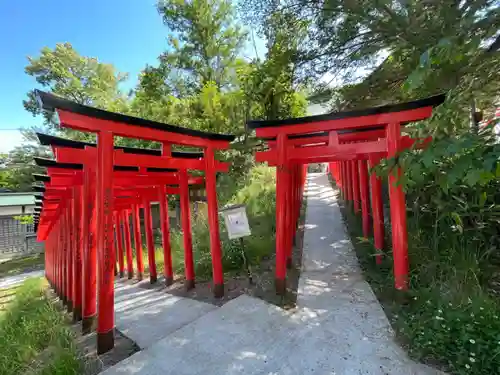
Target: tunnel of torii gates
(90, 193)
(352, 143)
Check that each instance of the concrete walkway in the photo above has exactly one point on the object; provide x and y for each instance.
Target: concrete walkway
(146, 314)
(338, 327)
(10, 281)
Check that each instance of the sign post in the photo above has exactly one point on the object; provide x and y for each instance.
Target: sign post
(236, 221)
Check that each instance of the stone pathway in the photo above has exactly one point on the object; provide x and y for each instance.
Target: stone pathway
(147, 314)
(338, 328)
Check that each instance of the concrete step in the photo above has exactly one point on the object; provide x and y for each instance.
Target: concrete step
(242, 337)
(248, 336)
(146, 314)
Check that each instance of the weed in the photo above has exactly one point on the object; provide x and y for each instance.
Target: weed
(447, 318)
(33, 335)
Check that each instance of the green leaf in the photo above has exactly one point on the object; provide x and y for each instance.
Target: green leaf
(458, 221)
(482, 198)
(424, 58)
(414, 80)
(472, 177)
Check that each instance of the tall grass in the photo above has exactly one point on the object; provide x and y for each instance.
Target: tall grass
(33, 335)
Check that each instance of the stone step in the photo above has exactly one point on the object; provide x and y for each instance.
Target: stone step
(146, 314)
(243, 336)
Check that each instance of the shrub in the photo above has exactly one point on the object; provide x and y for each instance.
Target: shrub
(452, 317)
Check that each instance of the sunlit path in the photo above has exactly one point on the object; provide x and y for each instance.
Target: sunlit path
(338, 327)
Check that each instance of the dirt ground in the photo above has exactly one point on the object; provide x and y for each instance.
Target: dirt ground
(262, 285)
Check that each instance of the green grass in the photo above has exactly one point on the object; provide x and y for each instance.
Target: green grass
(34, 337)
(19, 265)
(447, 318)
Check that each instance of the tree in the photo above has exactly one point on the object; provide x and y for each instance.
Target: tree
(64, 72)
(195, 82)
(85, 80)
(205, 44)
(350, 35)
(17, 167)
(272, 82)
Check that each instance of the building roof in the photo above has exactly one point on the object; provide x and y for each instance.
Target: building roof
(17, 199)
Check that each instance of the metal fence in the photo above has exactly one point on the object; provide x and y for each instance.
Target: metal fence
(17, 239)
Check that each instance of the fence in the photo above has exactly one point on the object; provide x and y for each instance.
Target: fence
(17, 239)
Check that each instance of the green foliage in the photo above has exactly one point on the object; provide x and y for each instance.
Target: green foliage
(65, 72)
(448, 316)
(204, 43)
(33, 334)
(24, 219)
(201, 82)
(465, 333)
(258, 195)
(454, 184)
(16, 171)
(271, 83)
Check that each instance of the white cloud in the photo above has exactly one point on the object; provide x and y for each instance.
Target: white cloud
(9, 139)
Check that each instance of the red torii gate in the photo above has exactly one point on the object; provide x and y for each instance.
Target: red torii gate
(61, 219)
(70, 291)
(347, 140)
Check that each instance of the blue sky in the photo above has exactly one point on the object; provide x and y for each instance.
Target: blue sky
(126, 33)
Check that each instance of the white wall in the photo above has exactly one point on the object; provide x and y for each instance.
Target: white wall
(16, 210)
(10, 210)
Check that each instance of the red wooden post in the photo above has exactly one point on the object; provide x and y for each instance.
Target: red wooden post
(344, 180)
(64, 262)
(113, 246)
(138, 241)
(48, 258)
(89, 252)
(70, 249)
(286, 209)
(341, 173)
(77, 264)
(338, 166)
(365, 204)
(55, 258)
(281, 176)
(213, 221)
(59, 259)
(355, 185)
(165, 236)
(377, 210)
(349, 181)
(128, 244)
(119, 244)
(148, 226)
(186, 228)
(105, 265)
(398, 212)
